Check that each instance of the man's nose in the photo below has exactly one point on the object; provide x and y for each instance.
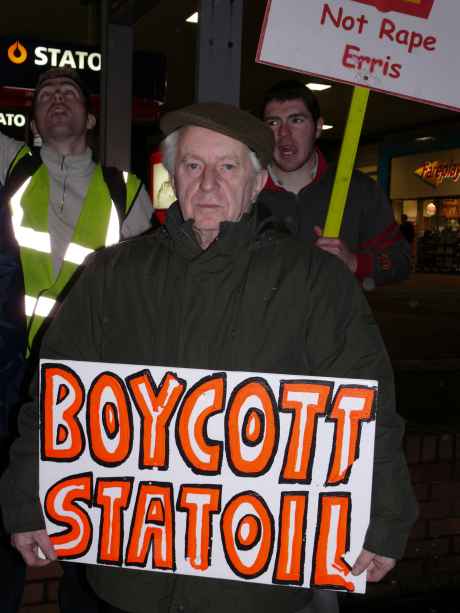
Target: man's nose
(57, 95)
(208, 178)
(284, 129)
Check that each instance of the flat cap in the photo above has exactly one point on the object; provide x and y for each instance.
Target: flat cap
(226, 119)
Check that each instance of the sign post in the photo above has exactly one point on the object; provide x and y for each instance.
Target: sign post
(347, 157)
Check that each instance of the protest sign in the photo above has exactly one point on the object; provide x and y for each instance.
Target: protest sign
(243, 476)
(401, 47)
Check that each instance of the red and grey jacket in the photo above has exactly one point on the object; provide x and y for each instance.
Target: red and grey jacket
(368, 227)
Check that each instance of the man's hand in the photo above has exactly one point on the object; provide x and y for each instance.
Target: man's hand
(28, 544)
(377, 566)
(336, 246)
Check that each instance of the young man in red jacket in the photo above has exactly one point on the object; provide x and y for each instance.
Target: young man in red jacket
(300, 185)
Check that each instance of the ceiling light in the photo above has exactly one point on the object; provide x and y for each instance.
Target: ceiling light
(422, 139)
(317, 87)
(193, 18)
(327, 126)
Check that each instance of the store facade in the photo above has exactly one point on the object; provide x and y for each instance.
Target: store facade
(426, 187)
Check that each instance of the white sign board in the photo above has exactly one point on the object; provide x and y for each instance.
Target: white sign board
(243, 476)
(402, 47)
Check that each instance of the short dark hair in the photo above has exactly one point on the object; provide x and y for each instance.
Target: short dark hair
(292, 89)
(63, 73)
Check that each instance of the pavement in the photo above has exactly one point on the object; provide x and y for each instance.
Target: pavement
(420, 319)
(420, 324)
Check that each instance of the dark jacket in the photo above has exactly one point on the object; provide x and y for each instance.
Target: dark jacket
(368, 227)
(12, 325)
(255, 300)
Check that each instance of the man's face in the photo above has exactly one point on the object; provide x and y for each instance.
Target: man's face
(295, 132)
(60, 112)
(214, 178)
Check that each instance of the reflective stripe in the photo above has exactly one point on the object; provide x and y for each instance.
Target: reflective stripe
(41, 241)
(41, 307)
(27, 237)
(76, 253)
(113, 229)
(125, 176)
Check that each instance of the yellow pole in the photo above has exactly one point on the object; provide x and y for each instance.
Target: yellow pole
(348, 150)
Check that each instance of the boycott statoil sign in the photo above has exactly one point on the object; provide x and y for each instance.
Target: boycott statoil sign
(243, 476)
(403, 47)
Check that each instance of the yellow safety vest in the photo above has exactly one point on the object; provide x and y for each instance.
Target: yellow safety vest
(98, 225)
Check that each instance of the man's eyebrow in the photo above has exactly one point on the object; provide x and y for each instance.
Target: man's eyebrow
(290, 116)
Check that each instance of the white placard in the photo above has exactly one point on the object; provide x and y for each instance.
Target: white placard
(403, 47)
(243, 476)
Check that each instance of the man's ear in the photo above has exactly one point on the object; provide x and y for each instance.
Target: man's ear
(319, 127)
(90, 121)
(261, 179)
(33, 128)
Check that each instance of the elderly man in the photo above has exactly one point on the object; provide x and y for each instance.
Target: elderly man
(219, 286)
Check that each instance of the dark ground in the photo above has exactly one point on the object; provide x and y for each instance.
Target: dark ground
(420, 318)
(420, 324)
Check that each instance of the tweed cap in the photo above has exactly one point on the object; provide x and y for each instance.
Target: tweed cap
(62, 73)
(226, 119)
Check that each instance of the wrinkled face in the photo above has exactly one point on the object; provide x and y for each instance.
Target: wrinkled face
(214, 178)
(60, 111)
(295, 132)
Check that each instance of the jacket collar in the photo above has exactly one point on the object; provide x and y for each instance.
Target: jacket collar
(232, 235)
(273, 184)
(77, 165)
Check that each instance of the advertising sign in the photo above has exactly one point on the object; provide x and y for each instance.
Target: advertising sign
(23, 60)
(401, 47)
(243, 476)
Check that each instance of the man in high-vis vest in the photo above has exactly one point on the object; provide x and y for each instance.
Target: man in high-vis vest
(49, 222)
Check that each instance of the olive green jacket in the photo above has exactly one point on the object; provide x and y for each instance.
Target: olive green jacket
(255, 300)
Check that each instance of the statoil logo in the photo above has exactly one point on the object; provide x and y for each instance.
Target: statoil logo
(56, 57)
(17, 53)
(16, 120)
(416, 8)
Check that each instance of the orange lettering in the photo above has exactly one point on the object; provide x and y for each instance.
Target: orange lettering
(109, 420)
(329, 569)
(307, 402)
(290, 557)
(200, 502)
(253, 405)
(156, 408)
(62, 397)
(112, 496)
(200, 453)
(62, 508)
(255, 528)
(352, 406)
(152, 526)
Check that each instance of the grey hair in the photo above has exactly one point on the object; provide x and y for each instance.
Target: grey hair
(169, 149)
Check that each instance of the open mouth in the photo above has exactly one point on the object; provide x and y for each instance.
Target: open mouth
(287, 151)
